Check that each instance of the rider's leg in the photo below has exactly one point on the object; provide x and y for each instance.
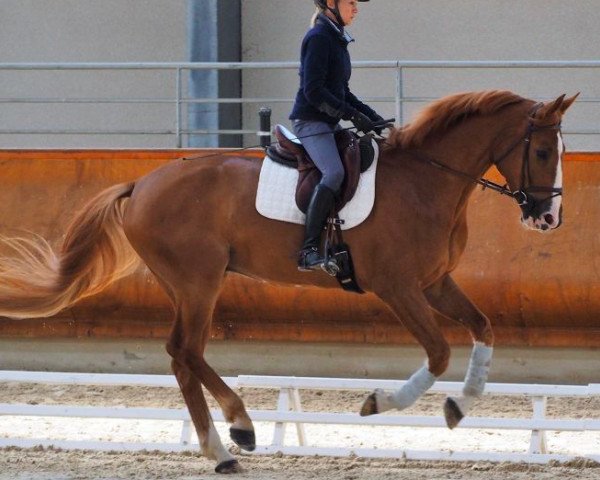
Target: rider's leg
(319, 208)
(319, 142)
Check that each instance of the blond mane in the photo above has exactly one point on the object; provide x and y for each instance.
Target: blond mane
(440, 115)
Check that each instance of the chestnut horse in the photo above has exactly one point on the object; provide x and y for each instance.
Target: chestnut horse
(192, 222)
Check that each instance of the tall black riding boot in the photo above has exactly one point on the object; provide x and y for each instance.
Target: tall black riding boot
(320, 206)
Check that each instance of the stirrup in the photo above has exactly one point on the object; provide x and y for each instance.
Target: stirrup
(310, 260)
(330, 267)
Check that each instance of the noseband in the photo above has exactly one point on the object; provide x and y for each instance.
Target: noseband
(523, 195)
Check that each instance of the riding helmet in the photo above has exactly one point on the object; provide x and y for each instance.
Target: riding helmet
(323, 5)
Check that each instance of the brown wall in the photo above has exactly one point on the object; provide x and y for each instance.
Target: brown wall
(539, 290)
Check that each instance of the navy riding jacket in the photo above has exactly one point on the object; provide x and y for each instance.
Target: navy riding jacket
(325, 69)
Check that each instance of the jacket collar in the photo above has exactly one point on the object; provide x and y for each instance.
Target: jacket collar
(339, 30)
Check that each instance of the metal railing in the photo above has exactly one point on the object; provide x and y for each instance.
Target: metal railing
(179, 99)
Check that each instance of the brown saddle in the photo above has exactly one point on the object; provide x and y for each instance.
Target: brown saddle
(290, 152)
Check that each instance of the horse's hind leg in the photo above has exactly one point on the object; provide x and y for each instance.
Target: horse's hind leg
(449, 300)
(186, 345)
(241, 430)
(210, 442)
(411, 307)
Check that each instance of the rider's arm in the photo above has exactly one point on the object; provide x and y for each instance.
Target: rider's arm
(354, 102)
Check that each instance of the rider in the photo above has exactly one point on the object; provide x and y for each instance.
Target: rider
(324, 99)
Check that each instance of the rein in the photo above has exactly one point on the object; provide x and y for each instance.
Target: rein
(521, 196)
(501, 189)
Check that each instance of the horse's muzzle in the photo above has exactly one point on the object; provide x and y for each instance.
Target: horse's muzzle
(543, 222)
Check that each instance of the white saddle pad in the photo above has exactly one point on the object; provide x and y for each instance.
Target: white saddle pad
(275, 197)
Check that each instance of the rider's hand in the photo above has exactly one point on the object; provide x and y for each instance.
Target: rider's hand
(361, 122)
(379, 121)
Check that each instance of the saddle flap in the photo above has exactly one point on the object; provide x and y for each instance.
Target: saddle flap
(288, 141)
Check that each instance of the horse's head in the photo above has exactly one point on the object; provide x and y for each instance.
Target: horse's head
(534, 173)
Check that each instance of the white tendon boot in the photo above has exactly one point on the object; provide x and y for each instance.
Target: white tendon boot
(380, 401)
(456, 408)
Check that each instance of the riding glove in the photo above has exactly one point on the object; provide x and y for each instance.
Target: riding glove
(378, 120)
(361, 122)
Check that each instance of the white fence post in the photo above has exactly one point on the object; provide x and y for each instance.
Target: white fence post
(297, 406)
(537, 444)
(289, 400)
(186, 433)
(283, 405)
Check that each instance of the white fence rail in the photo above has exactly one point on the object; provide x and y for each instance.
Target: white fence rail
(289, 411)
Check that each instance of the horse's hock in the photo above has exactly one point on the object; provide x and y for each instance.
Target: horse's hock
(538, 290)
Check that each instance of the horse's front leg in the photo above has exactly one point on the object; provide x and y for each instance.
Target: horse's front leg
(411, 307)
(449, 300)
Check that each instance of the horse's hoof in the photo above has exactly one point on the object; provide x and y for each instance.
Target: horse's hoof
(244, 439)
(452, 413)
(229, 466)
(369, 407)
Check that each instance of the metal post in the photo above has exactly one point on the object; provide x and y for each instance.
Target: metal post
(399, 97)
(265, 127)
(178, 109)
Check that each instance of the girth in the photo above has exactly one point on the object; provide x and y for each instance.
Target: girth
(357, 156)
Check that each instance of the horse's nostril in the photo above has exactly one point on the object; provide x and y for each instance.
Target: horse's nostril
(549, 219)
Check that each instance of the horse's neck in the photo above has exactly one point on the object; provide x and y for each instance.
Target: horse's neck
(472, 147)
(468, 149)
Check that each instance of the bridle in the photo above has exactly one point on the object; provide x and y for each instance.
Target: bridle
(523, 194)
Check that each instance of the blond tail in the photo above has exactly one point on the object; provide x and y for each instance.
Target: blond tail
(35, 282)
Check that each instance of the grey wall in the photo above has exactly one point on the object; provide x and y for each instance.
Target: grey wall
(90, 31)
(155, 30)
(441, 30)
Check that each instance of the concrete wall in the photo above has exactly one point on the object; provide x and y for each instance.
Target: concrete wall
(90, 31)
(155, 30)
(520, 365)
(440, 30)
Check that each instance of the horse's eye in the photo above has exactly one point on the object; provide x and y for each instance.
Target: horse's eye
(542, 154)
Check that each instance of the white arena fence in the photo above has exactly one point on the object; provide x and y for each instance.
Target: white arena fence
(289, 411)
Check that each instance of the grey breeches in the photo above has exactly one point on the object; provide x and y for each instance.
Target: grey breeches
(321, 147)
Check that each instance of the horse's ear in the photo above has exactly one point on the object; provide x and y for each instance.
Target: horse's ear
(550, 108)
(568, 102)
